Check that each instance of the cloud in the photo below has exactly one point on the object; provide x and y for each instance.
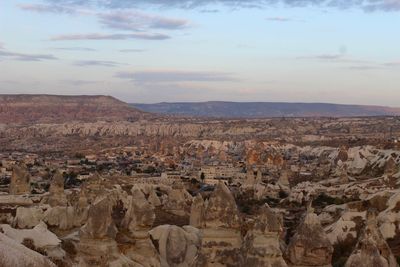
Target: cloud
(323, 57)
(385, 5)
(353, 64)
(336, 58)
(364, 67)
(209, 11)
(392, 64)
(79, 82)
(367, 5)
(83, 49)
(101, 63)
(131, 50)
(134, 20)
(279, 19)
(175, 76)
(53, 8)
(4, 54)
(116, 36)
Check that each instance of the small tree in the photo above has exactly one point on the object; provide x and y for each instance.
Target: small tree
(202, 177)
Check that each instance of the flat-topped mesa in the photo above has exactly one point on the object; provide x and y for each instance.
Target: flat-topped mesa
(33, 109)
(371, 249)
(310, 245)
(20, 181)
(57, 196)
(261, 246)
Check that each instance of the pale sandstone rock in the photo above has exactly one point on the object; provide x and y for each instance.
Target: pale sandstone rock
(29, 217)
(310, 245)
(140, 213)
(176, 246)
(179, 201)
(57, 196)
(20, 181)
(13, 253)
(153, 199)
(221, 238)
(389, 219)
(138, 220)
(15, 200)
(97, 245)
(221, 210)
(41, 237)
(65, 218)
(99, 224)
(261, 245)
(197, 212)
(372, 249)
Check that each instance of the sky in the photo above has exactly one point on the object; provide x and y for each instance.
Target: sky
(148, 51)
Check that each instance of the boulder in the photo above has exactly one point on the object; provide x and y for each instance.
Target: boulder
(13, 253)
(40, 238)
(29, 217)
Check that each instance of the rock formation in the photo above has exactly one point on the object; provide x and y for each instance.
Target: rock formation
(371, 249)
(178, 247)
(261, 245)
(97, 245)
(138, 220)
(40, 237)
(197, 212)
(56, 191)
(221, 238)
(20, 181)
(179, 201)
(13, 253)
(310, 245)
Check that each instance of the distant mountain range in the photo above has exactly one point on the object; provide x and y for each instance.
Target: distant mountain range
(33, 109)
(266, 109)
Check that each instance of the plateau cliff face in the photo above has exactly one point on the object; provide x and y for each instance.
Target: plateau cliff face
(32, 109)
(266, 109)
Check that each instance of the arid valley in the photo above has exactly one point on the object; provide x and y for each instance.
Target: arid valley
(92, 181)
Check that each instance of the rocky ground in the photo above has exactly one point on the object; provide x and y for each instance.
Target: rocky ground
(341, 209)
(305, 192)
